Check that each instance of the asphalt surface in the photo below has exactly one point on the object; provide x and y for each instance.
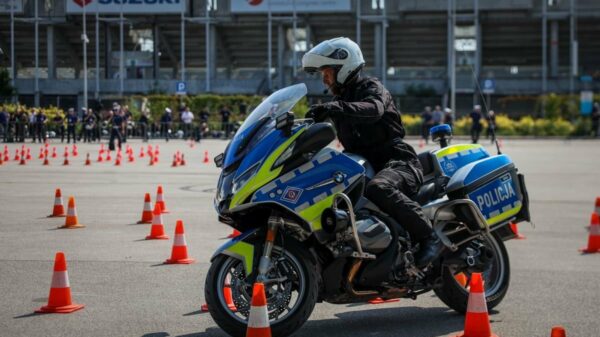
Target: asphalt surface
(128, 292)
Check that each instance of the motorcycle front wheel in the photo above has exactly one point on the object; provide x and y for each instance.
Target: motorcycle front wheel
(291, 293)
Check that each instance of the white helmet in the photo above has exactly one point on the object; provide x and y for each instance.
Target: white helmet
(340, 53)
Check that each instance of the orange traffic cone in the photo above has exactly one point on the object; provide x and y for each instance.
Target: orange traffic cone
(160, 199)
(46, 161)
(54, 153)
(258, 320)
(58, 210)
(477, 322)
(182, 161)
(234, 234)
(597, 207)
(157, 232)
(155, 158)
(175, 161)
(558, 331)
(1, 161)
(206, 160)
(6, 154)
(17, 157)
(380, 300)
(28, 154)
(461, 278)
(150, 150)
(131, 158)
(151, 160)
(147, 212)
(66, 161)
(108, 157)
(75, 152)
(59, 300)
(594, 236)
(118, 161)
(71, 221)
(88, 162)
(515, 230)
(142, 154)
(156, 151)
(227, 294)
(22, 162)
(41, 155)
(179, 253)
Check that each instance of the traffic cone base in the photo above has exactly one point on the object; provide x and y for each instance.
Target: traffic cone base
(67, 309)
(157, 236)
(204, 307)
(515, 230)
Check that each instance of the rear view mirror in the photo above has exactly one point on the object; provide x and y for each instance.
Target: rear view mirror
(219, 160)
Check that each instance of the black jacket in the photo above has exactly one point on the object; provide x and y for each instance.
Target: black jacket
(369, 124)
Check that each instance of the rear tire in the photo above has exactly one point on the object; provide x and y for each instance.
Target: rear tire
(456, 296)
(235, 327)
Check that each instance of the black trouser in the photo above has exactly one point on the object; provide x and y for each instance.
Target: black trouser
(71, 132)
(4, 131)
(87, 136)
(475, 131)
(392, 190)
(490, 132)
(144, 131)
(61, 131)
(115, 133)
(20, 132)
(164, 130)
(40, 133)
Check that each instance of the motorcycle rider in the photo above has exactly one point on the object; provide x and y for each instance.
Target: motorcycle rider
(368, 124)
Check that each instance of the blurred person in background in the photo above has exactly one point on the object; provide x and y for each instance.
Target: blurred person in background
(58, 122)
(225, 114)
(71, 125)
(165, 123)
(31, 125)
(127, 127)
(20, 125)
(475, 123)
(426, 123)
(595, 119)
(89, 124)
(187, 119)
(491, 126)
(448, 117)
(40, 126)
(143, 122)
(438, 115)
(4, 117)
(117, 121)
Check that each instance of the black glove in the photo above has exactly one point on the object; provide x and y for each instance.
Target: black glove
(319, 112)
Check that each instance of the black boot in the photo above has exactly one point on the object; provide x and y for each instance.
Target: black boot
(431, 248)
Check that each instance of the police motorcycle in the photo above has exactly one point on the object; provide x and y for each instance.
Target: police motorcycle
(310, 235)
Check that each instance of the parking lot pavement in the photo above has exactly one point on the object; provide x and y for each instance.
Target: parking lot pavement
(128, 292)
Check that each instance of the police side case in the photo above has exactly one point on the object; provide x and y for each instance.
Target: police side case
(494, 185)
(454, 157)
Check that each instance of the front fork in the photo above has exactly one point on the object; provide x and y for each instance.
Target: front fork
(264, 265)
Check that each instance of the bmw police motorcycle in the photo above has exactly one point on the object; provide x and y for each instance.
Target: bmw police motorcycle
(310, 235)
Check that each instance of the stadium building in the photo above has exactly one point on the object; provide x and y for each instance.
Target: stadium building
(55, 49)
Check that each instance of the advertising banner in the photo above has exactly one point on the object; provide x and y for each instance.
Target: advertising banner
(126, 6)
(288, 6)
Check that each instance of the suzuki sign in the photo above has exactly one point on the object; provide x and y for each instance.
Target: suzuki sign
(126, 6)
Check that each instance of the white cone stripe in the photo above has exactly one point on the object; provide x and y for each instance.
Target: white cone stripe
(60, 279)
(159, 197)
(58, 201)
(179, 240)
(259, 317)
(477, 303)
(157, 219)
(595, 230)
(71, 212)
(147, 206)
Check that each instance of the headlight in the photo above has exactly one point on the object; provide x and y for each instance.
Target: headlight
(240, 181)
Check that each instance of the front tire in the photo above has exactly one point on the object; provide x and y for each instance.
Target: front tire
(496, 277)
(306, 285)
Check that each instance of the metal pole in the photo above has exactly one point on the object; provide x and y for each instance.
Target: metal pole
(478, 48)
(544, 56)
(85, 41)
(453, 58)
(37, 52)
(270, 61)
(573, 45)
(294, 27)
(97, 93)
(121, 53)
(182, 47)
(207, 44)
(358, 32)
(384, 25)
(12, 47)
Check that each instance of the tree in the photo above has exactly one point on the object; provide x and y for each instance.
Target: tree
(6, 89)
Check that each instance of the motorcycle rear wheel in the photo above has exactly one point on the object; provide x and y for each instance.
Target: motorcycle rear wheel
(496, 278)
(306, 286)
